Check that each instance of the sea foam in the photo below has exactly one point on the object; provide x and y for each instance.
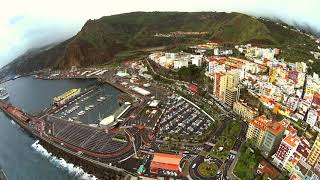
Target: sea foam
(61, 163)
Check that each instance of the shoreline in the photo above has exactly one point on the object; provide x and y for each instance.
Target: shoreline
(91, 166)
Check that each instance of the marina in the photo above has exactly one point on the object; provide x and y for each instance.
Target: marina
(90, 107)
(91, 141)
(104, 126)
(28, 94)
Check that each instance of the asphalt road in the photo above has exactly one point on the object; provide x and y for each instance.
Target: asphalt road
(236, 147)
(228, 116)
(199, 159)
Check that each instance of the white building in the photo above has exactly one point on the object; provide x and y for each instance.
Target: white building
(312, 117)
(215, 67)
(196, 60)
(292, 103)
(180, 63)
(216, 51)
(171, 55)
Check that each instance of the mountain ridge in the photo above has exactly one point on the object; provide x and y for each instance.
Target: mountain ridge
(100, 40)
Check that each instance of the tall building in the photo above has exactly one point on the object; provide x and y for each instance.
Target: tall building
(314, 155)
(219, 85)
(224, 81)
(286, 149)
(272, 138)
(232, 95)
(244, 111)
(256, 130)
(233, 79)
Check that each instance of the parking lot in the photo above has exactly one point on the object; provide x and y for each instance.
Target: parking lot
(91, 107)
(182, 118)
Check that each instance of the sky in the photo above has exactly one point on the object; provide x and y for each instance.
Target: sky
(26, 24)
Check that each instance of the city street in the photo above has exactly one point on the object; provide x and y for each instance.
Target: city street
(227, 117)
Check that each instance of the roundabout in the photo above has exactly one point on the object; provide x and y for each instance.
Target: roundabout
(207, 169)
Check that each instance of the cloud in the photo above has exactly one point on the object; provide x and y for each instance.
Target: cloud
(33, 23)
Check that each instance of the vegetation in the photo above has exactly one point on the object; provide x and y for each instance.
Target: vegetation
(294, 46)
(226, 140)
(247, 162)
(118, 36)
(191, 73)
(207, 170)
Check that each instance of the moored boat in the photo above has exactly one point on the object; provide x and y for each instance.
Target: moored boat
(4, 93)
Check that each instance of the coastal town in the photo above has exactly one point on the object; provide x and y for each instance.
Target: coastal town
(207, 112)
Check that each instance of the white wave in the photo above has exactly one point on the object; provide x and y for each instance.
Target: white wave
(61, 163)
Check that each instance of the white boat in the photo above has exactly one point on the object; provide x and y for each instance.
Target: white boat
(81, 113)
(4, 93)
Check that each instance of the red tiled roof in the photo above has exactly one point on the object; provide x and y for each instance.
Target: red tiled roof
(291, 140)
(167, 158)
(166, 161)
(164, 166)
(212, 59)
(304, 148)
(267, 168)
(260, 122)
(294, 177)
(275, 127)
(193, 88)
(291, 129)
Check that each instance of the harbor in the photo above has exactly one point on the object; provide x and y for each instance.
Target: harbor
(64, 126)
(103, 127)
(70, 145)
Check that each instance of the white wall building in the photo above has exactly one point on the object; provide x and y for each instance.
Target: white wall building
(180, 63)
(196, 59)
(312, 117)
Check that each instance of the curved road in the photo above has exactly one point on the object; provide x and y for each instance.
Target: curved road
(199, 159)
(193, 172)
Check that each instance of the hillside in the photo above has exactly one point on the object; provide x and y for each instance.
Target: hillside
(99, 41)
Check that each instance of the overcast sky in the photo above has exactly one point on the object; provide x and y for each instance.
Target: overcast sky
(26, 24)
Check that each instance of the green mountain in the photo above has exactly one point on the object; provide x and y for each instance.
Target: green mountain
(102, 40)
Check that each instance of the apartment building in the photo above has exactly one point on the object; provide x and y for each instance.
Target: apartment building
(314, 154)
(286, 150)
(256, 130)
(246, 112)
(272, 138)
